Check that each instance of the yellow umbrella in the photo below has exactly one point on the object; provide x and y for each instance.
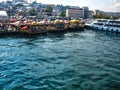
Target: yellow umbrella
(57, 21)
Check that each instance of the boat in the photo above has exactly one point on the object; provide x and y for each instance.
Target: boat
(36, 28)
(61, 26)
(105, 25)
(32, 30)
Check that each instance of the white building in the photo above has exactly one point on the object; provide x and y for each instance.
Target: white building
(3, 15)
(16, 1)
(74, 13)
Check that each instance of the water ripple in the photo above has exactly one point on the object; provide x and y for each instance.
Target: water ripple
(86, 60)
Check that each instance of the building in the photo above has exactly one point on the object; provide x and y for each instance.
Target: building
(114, 14)
(58, 10)
(87, 13)
(16, 1)
(96, 12)
(74, 13)
(90, 15)
(3, 15)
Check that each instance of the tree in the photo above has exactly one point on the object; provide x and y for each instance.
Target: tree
(63, 13)
(32, 12)
(48, 8)
(100, 15)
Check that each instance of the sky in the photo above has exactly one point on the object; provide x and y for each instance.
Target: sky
(104, 5)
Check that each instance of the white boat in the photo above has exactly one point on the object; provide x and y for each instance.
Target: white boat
(105, 24)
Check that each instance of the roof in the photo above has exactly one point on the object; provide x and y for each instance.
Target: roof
(3, 13)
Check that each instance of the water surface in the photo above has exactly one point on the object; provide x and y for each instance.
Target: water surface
(87, 60)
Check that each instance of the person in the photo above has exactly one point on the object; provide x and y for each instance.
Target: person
(9, 28)
(1, 26)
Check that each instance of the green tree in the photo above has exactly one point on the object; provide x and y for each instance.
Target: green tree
(48, 8)
(100, 15)
(94, 16)
(63, 13)
(32, 12)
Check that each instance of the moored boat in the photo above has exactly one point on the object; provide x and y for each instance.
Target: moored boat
(33, 28)
(105, 25)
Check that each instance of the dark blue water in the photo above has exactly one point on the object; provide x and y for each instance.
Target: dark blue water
(86, 60)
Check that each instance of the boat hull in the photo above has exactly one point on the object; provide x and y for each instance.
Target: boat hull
(103, 28)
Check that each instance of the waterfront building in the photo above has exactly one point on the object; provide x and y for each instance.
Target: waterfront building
(90, 14)
(16, 1)
(108, 14)
(74, 13)
(3, 15)
(115, 14)
(57, 9)
(85, 12)
(47, 13)
(96, 12)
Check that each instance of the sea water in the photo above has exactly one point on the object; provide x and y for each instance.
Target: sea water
(87, 60)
